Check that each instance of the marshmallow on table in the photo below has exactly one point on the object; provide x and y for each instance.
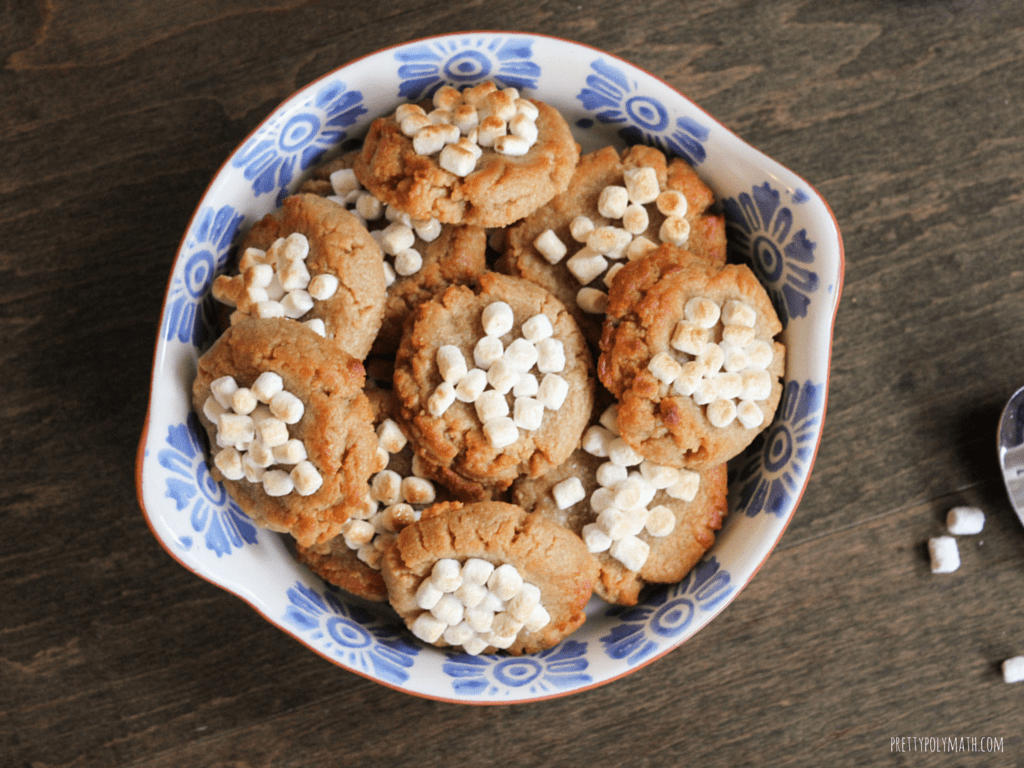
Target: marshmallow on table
(1013, 669)
(965, 521)
(945, 556)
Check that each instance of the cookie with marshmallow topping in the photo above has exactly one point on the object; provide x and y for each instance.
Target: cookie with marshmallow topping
(421, 256)
(313, 262)
(289, 426)
(483, 156)
(689, 349)
(494, 382)
(644, 523)
(487, 577)
(618, 206)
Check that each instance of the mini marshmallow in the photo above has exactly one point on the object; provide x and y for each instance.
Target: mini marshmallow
(568, 492)
(459, 634)
(757, 385)
(521, 605)
(395, 517)
(466, 118)
(317, 326)
(550, 246)
(658, 475)
(477, 570)
(296, 247)
(357, 533)
(451, 363)
(735, 358)
(243, 401)
(738, 313)
(479, 619)
(550, 356)
(642, 184)
(639, 247)
(537, 328)
(427, 594)
(470, 593)
(428, 231)
(441, 398)
(592, 300)
(471, 385)
(730, 385)
(513, 146)
(396, 237)
(721, 412)
(428, 627)
(222, 389)
(212, 409)
(706, 391)
(610, 474)
(612, 201)
(660, 521)
(290, 452)
(408, 262)
(553, 391)
(601, 499)
(502, 375)
(671, 203)
(664, 368)
(689, 338)
(631, 552)
(521, 354)
(523, 126)
(276, 482)
(635, 219)
(497, 318)
(749, 414)
(1013, 670)
(580, 228)
(457, 159)
(287, 407)
(527, 413)
(487, 352)
(737, 335)
(229, 461)
(609, 276)
(505, 581)
(390, 436)
(323, 286)
(621, 453)
(446, 574)
(632, 493)
(965, 521)
(412, 124)
(259, 276)
(609, 418)
(369, 207)
(759, 354)
(674, 230)
(686, 487)
(945, 557)
(586, 265)
(234, 429)
(386, 487)
(597, 440)
(344, 181)
(595, 539)
(526, 386)
(605, 240)
(491, 405)
(501, 432)
(449, 609)
(490, 129)
(702, 312)
(293, 275)
(711, 358)
(297, 303)
(389, 272)
(260, 454)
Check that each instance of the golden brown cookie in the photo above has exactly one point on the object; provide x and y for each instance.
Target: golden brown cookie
(689, 350)
(494, 168)
(421, 257)
(644, 523)
(493, 383)
(615, 208)
(289, 426)
(489, 576)
(314, 262)
(396, 495)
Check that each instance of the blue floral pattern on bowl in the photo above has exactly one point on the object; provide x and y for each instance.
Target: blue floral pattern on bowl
(760, 230)
(350, 634)
(500, 677)
(646, 628)
(206, 251)
(780, 457)
(425, 67)
(617, 99)
(294, 140)
(211, 512)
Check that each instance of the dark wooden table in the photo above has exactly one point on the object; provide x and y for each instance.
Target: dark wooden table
(906, 116)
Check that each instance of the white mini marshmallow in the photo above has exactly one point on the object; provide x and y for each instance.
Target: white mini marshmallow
(702, 312)
(305, 478)
(412, 124)
(505, 582)
(449, 609)
(487, 352)
(659, 475)
(736, 358)
(427, 595)
(521, 354)
(323, 286)
(721, 412)
(428, 627)
(457, 159)
(243, 401)
(513, 146)
(408, 262)
(287, 407)
(369, 207)
(222, 389)
(259, 275)
(640, 247)
(502, 375)
(642, 184)
(621, 453)
(357, 533)
(550, 355)
(686, 487)
(471, 385)
(521, 605)
(597, 440)
(477, 570)
(471, 594)
(586, 265)
(738, 313)
(674, 230)
(292, 451)
(451, 363)
(428, 231)
(737, 335)
(390, 436)
(660, 521)
(609, 276)
(233, 429)
(635, 219)
(293, 274)
(527, 413)
(595, 539)
(593, 301)
(526, 386)
(260, 454)
(601, 499)
(664, 368)
(965, 521)
(749, 414)
(631, 552)
(552, 391)
(580, 228)
(609, 418)
(672, 203)
(1013, 670)
(711, 358)
(524, 127)
(344, 181)
(386, 487)
(501, 432)
(759, 354)
(550, 246)
(267, 385)
(396, 237)
(689, 338)
(497, 318)
(441, 398)
(945, 557)
(229, 461)
(317, 326)
(491, 405)
(537, 328)
(757, 384)
(568, 492)
(730, 385)
(297, 303)
(277, 482)
(612, 201)
(446, 574)
(610, 474)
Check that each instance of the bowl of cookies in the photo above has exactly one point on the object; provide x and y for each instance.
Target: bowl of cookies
(490, 368)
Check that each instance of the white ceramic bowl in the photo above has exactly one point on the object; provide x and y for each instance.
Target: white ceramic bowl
(776, 222)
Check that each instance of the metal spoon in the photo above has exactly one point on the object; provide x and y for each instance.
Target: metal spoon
(1011, 450)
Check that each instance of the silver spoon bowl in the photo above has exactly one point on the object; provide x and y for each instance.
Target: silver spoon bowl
(1010, 440)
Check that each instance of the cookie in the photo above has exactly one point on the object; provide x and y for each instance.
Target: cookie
(421, 257)
(290, 428)
(482, 156)
(395, 496)
(644, 523)
(617, 206)
(313, 262)
(489, 576)
(689, 350)
(493, 383)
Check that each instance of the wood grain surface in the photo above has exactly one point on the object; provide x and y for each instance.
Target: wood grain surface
(908, 117)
